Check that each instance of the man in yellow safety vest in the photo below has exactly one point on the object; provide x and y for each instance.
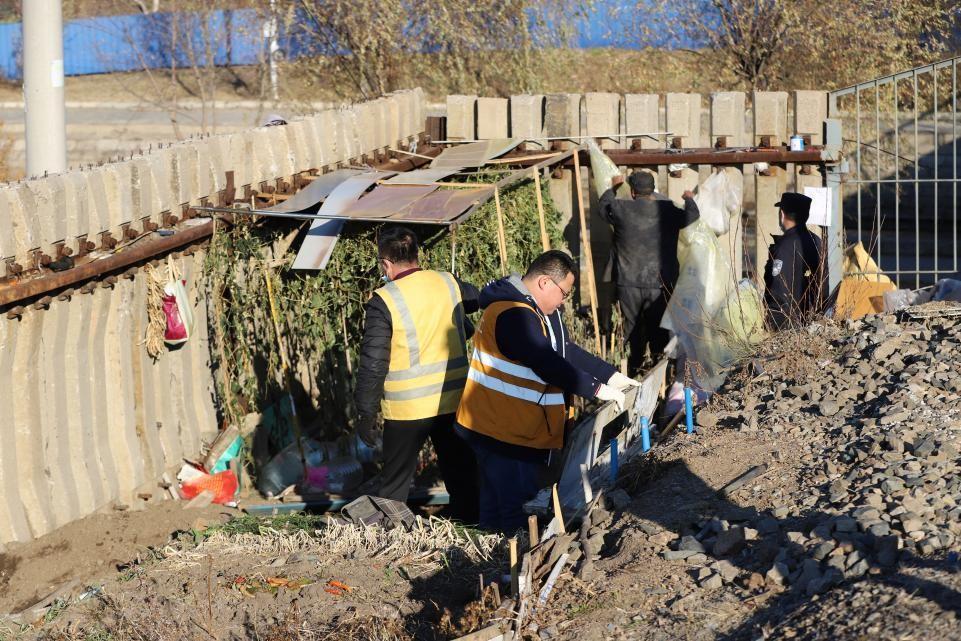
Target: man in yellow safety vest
(413, 367)
(523, 367)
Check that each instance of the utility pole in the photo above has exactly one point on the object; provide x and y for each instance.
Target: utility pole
(45, 112)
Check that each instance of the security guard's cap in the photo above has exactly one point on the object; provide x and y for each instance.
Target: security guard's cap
(797, 205)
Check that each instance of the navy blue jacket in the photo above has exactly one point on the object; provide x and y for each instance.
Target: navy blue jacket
(554, 358)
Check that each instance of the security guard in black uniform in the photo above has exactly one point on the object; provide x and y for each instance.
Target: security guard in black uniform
(793, 276)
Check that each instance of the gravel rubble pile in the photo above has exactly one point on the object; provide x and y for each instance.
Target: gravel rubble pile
(854, 529)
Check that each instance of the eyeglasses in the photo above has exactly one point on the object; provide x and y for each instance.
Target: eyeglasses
(564, 294)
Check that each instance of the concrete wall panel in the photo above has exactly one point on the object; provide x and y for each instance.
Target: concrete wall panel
(125, 438)
(117, 181)
(683, 117)
(728, 124)
(90, 492)
(643, 115)
(92, 418)
(770, 116)
(55, 430)
(492, 118)
(76, 206)
(298, 140)
(29, 467)
(23, 210)
(100, 390)
(461, 117)
(205, 171)
(92, 443)
(392, 119)
(350, 135)
(14, 525)
(602, 118)
(527, 119)
(144, 405)
(12, 237)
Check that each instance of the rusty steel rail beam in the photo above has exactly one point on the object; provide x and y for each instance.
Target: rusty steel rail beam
(142, 251)
(699, 156)
(146, 249)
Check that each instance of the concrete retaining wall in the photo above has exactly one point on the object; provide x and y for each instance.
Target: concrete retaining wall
(89, 421)
(736, 118)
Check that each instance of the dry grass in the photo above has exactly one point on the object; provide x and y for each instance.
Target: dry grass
(186, 591)
(430, 540)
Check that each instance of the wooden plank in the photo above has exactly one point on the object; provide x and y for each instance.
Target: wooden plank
(552, 579)
(557, 510)
(514, 567)
(588, 255)
(545, 239)
(501, 239)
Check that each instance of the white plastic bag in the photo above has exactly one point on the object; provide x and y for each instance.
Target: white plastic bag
(718, 199)
(716, 319)
(603, 171)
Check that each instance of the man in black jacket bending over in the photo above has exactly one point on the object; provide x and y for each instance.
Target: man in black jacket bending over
(646, 229)
(413, 367)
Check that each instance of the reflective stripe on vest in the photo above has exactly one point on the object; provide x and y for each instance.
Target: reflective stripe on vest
(515, 391)
(428, 363)
(506, 400)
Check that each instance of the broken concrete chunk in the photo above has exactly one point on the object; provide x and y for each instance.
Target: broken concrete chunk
(729, 542)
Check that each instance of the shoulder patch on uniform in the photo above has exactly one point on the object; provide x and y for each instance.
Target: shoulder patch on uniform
(776, 268)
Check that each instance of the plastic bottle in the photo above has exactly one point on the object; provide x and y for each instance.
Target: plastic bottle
(284, 470)
(336, 476)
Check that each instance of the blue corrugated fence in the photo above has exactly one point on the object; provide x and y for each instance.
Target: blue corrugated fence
(159, 40)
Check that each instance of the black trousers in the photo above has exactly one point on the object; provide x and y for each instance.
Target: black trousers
(642, 308)
(403, 441)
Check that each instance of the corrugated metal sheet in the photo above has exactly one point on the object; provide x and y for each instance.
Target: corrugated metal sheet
(386, 201)
(445, 205)
(473, 154)
(323, 234)
(423, 176)
(308, 198)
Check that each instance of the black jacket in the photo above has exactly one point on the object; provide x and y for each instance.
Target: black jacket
(793, 277)
(375, 351)
(645, 238)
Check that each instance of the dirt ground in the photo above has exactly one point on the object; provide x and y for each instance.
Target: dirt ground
(286, 577)
(92, 547)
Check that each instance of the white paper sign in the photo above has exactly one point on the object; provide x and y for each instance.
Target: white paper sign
(820, 206)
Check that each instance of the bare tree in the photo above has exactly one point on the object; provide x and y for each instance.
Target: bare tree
(797, 43)
(376, 46)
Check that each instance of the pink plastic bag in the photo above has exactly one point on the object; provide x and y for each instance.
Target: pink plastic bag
(177, 312)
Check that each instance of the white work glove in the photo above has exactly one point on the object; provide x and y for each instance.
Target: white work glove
(608, 393)
(620, 381)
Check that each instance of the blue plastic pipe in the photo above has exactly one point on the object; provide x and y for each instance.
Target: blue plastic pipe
(689, 409)
(613, 461)
(645, 434)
